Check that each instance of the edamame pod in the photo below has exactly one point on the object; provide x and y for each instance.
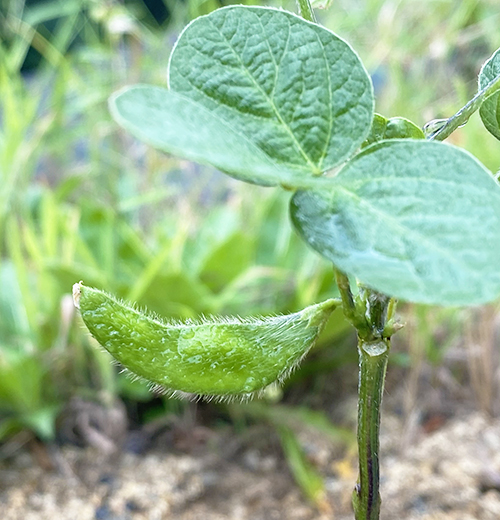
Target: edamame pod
(214, 357)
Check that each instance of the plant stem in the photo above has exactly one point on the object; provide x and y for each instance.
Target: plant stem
(462, 116)
(373, 357)
(351, 312)
(306, 11)
(369, 312)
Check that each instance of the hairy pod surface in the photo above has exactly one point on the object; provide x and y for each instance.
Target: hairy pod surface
(217, 356)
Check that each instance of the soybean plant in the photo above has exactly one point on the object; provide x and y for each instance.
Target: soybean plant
(274, 99)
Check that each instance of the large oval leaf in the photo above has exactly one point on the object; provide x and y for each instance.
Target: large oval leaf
(418, 220)
(175, 124)
(490, 109)
(277, 98)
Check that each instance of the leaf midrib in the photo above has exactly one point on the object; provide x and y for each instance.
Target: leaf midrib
(314, 168)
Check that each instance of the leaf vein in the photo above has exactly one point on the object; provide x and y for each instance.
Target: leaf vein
(313, 167)
(407, 230)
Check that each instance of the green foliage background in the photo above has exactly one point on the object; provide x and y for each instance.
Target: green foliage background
(80, 199)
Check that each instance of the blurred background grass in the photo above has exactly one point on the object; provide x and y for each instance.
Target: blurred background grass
(80, 199)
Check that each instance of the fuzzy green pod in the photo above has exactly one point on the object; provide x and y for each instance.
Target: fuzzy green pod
(215, 357)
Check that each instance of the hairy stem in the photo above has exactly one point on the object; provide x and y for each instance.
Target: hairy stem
(448, 126)
(373, 356)
(306, 11)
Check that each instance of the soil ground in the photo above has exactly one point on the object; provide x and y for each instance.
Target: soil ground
(451, 473)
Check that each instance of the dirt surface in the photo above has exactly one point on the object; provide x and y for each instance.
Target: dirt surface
(452, 473)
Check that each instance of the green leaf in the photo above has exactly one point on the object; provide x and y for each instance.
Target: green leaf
(294, 417)
(490, 109)
(304, 473)
(393, 128)
(9, 426)
(181, 296)
(227, 261)
(259, 93)
(418, 220)
(175, 124)
(42, 421)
